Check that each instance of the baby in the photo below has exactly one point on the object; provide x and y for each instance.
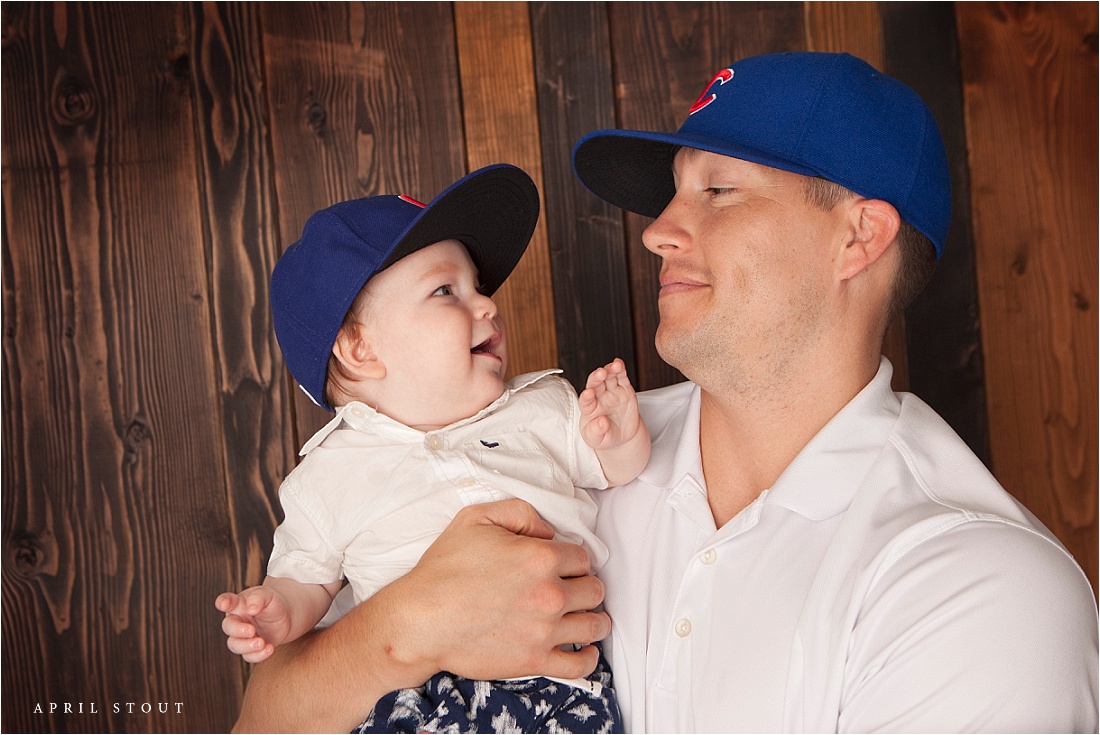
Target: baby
(383, 313)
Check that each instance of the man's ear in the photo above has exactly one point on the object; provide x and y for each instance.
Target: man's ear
(875, 224)
(353, 349)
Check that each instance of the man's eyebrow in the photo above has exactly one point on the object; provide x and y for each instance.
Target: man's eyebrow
(683, 153)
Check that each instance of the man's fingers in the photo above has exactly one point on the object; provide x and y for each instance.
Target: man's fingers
(584, 627)
(572, 562)
(517, 516)
(571, 664)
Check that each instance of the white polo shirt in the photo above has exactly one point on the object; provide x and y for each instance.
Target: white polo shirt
(372, 494)
(885, 583)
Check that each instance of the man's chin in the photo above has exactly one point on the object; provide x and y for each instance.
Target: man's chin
(688, 353)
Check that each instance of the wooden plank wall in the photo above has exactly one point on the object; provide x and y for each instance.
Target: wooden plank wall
(1036, 251)
(157, 157)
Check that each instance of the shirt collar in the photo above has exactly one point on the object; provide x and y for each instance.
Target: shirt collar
(825, 475)
(360, 416)
(675, 457)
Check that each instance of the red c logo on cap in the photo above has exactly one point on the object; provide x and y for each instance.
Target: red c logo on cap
(721, 77)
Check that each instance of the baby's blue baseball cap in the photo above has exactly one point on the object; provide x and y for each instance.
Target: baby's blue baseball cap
(816, 114)
(491, 211)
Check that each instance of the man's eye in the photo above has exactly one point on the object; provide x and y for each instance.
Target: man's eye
(443, 291)
(719, 190)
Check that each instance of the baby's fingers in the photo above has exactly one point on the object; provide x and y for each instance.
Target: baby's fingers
(234, 627)
(226, 601)
(262, 654)
(587, 400)
(596, 378)
(598, 427)
(252, 650)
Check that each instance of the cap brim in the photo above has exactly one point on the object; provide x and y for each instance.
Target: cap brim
(632, 169)
(492, 211)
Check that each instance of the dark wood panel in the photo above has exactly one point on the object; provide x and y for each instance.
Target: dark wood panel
(364, 100)
(1030, 83)
(500, 112)
(663, 55)
(942, 328)
(115, 522)
(238, 205)
(591, 282)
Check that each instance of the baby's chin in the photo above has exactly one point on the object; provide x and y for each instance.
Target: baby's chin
(470, 408)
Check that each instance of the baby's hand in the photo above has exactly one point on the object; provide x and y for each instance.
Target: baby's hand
(256, 620)
(609, 407)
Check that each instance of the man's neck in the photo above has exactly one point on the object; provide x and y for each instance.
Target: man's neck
(747, 440)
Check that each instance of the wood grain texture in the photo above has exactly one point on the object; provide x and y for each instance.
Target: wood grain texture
(591, 280)
(845, 27)
(1030, 81)
(364, 100)
(115, 522)
(238, 203)
(663, 55)
(856, 28)
(500, 113)
(157, 157)
(942, 327)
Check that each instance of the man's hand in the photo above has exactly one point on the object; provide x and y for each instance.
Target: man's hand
(494, 597)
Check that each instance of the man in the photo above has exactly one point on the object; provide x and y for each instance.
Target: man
(806, 550)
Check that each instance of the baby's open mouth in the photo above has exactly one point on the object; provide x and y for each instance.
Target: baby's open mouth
(487, 347)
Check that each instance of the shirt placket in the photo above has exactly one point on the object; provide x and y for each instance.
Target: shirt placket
(689, 619)
(454, 467)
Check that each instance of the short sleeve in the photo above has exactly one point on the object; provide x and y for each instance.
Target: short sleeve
(301, 550)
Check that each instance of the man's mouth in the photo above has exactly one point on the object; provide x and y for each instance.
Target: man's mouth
(671, 284)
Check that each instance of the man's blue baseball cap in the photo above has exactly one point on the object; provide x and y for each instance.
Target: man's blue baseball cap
(491, 211)
(816, 114)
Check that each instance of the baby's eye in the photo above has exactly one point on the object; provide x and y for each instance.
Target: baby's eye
(443, 291)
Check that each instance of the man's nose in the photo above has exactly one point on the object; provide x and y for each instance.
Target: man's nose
(666, 234)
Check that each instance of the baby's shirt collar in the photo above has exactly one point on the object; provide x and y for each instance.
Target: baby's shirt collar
(358, 416)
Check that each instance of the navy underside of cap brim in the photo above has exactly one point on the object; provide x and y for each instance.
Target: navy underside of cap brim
(633, 169)
(493, 213)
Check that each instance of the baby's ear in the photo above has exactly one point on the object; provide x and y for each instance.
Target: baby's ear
(353, 349)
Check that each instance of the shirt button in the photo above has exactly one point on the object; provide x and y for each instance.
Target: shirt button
(358, 412)
(467, 482)
(435, 441)
(708, 557)
(683, 627)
